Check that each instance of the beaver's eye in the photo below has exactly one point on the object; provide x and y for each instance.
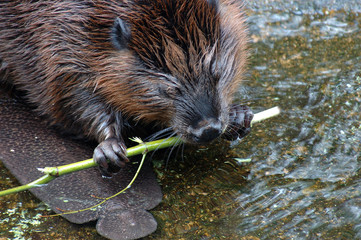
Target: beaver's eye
(170, 92)
(177, 92)
(163, 91)
(174, 91)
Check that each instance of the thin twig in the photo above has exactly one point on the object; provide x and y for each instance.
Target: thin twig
(53, 172)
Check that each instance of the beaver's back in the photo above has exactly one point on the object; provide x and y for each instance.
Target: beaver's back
(49, 50)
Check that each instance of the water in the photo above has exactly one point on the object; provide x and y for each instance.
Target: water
(304, 180)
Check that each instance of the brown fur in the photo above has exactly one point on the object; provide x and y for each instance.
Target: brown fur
(60, 53)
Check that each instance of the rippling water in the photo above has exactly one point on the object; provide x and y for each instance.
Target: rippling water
(304, 179)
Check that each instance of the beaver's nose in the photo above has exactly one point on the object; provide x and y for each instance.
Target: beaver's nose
(206, 131)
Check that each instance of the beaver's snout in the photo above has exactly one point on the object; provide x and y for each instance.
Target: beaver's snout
(205, 131)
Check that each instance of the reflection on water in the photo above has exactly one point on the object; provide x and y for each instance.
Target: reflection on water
(304, 180)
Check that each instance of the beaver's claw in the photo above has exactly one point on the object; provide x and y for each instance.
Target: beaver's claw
(110, 155)
(240, 118)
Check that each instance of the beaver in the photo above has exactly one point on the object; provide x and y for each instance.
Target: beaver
(98, 68)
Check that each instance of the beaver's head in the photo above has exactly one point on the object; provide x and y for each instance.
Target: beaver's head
(190, 57)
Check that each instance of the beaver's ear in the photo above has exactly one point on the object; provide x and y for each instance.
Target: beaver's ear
(120, 34)
(214, 4)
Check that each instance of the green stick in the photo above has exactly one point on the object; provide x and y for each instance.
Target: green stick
(53, 172)
(37, 183)
(136, 150)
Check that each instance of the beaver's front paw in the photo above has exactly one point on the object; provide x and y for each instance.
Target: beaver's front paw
(240, 118)
(110, 155)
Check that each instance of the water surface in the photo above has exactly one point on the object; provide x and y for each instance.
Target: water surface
(304, 179)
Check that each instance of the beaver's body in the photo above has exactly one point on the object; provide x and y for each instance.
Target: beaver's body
(91, 65)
